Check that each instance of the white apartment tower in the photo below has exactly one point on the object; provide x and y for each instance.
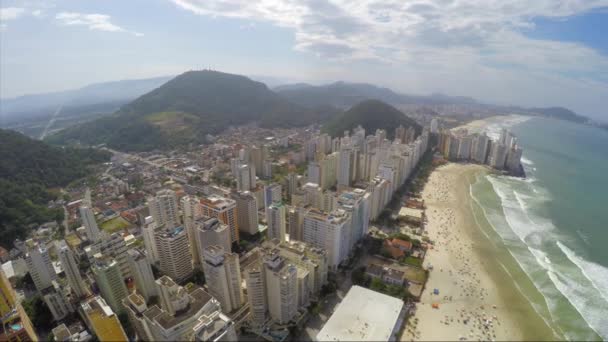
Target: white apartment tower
(110, 281)
(224, 209)
(90, 225)
(191, 207)
(247, 209)
(142, 274)
(330, 232)
(281, 287)
(275, 218)
(164, 209)
(40, 267)
(71, 270)
(223, 277)
(174, 253)
(211, 232)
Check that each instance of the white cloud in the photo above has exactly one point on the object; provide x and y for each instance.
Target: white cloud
(94, 21)
(10, 13)
(476, 40)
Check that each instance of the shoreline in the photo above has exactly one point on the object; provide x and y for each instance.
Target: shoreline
(478, 299)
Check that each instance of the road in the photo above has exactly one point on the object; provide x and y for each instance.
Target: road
(51, 122)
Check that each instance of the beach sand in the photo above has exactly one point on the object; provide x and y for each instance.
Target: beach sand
(477, 300)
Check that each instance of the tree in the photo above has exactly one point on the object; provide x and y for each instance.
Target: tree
(359, 277)
(38, 312)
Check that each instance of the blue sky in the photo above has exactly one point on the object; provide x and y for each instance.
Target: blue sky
(540, 53)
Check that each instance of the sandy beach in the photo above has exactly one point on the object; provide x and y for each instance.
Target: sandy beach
(470, 305)
(480, 125)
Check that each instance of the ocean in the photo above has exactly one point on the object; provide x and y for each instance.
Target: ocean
(554, 223)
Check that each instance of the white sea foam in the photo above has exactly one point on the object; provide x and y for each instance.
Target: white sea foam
(533, 230)
(526, 161)
(597, 274)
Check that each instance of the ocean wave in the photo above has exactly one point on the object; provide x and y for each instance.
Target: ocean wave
(583, 301)
(595, 273)
(526, 161)
(534, 231)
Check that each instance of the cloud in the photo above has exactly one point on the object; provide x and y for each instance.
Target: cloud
(10, 13)
(97, 22)
(435, 37)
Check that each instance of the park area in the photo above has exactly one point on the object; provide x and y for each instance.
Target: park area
(114, 225)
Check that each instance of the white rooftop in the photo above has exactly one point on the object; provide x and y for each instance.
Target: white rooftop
(363, 315)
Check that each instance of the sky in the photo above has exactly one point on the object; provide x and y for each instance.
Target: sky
(511, 52)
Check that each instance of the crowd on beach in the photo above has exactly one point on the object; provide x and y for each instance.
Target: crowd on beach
(460, 301)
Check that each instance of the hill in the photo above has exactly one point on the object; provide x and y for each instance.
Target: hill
(345, 95)
(371, 115)
(28, 170)
(187, 108)
(32, 106)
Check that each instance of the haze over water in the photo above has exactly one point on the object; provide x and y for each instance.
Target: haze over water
(554, 223)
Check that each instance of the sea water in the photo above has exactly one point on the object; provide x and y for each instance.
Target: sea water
(554, 223)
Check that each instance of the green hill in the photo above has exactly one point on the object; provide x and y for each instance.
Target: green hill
(187, 108)
(28, 169)
(371, 115)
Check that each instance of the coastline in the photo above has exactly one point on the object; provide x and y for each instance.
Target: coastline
(478, 299)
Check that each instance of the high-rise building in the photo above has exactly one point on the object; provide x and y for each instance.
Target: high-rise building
(209, 232)
(303, 255)
(275, 218)
(112, 245)
(479, 149)
(498, 156)
(142, 274)
(314, 173)
(179, 316)
(215, 328)
(90, 225)
(329, 167)
(344, 167)
(330, 232)
(174, 253)
(148, 231)
(110, 281)
(71, 270)
(294, 222)
(223, 277)
(245, 177)
(357, 204)
(272, 194)
(39, 265)
(101, 320)
(513, 162)
(224, 209)
(292, 183)
(281, 287)
(16, 325)
(57, 300)
(434, 126)
(256, 295)
(247, 209)
(164, 209)
(191, 206)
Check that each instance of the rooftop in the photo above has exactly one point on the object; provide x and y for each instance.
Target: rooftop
(363, 315)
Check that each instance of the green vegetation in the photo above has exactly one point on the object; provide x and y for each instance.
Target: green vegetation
(389, 289)
(371, 115)
(28, 171)
(38, 312)
(114, 225)
(410, 260)
(415, 274)
(193, 104)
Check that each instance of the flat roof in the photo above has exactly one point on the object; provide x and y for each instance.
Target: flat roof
(405, 211)
(363, 315)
